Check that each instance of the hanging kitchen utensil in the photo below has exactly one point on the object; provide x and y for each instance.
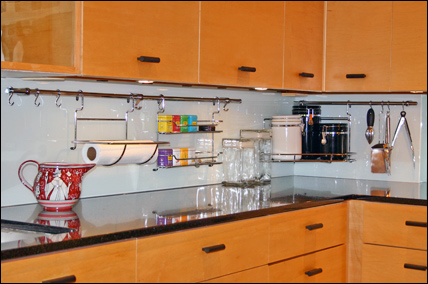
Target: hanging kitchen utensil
(379, 151)
(401, 122)
(387, 147)
(370, 123)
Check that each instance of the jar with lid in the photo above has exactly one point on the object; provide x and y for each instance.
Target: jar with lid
(239, 162)
(287, 137)
(310, 135)
(263, 146)
(334, 140)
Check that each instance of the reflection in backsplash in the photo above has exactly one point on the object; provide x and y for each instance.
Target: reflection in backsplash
(45, 133)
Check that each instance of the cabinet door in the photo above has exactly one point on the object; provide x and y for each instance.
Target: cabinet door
(41, 36)
(409, 46)
(203, 253)
(326, 266)
(237, 34)
(382, 264)
(358, 43)
(116, 33)
(303, 54)
(303, 231)
(395, 225)
(104, 263)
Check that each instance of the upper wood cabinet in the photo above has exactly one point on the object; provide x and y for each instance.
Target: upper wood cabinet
(242, 34)
(116, 33)
(41, 36)
(358, 44)
(409, 46)
(303, 48)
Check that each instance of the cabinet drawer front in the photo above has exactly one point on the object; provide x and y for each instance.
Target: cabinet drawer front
(387, 265)
(386, 224)
(205, 253)
(104, 263)
(254, 275)
(323, 266)
(299, 232)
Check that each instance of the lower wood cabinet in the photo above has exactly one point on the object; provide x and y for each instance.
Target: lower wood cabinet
(382, 264)
(205, 253)
(303, 231)
(254, 275)
(387, 242)
(325, 266)
(113, 262)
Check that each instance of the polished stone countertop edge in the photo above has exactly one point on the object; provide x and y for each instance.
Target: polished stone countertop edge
(192, 224)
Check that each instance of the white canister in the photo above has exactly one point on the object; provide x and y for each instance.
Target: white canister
(286, 137)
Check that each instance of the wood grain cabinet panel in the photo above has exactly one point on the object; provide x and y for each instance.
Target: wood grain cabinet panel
(42, 36)
(409, 46)
(303, 231)
(204, 253)
(382, 264)
(326, 266)
(254, 275)
(358, 42)
(102, 263)
(303, 46)
(116, 33)
(242, 33)
(395, 225)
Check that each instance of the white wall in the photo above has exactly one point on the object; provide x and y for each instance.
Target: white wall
(45, 133)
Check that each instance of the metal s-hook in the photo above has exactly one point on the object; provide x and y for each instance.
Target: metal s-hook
(75, 118)
(10, 91)
(57, 99)
(218, 107)
(37, 96)
(227, 101)
(82, 103)
(161, 105)
(138, 101)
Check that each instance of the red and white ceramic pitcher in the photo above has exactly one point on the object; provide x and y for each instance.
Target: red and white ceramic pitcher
(57, 186)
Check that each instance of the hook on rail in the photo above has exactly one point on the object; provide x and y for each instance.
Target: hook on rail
(227, 101)
(57, 98)
(161, 105)
(10, 91)
(37, 96)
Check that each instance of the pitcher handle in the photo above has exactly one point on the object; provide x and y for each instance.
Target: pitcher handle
(21, 176)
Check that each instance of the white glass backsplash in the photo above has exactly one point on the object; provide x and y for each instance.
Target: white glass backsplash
(45, 133)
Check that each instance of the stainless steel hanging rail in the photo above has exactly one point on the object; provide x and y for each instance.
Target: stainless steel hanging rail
(373, 103)
(27, 91)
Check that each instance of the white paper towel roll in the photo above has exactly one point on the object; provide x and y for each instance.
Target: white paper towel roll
(105, 154)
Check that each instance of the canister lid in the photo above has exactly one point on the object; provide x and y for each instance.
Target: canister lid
(306, 110)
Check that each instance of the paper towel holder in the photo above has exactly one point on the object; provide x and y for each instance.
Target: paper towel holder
(124, 143)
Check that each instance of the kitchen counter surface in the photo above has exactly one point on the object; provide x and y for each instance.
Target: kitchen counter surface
(120, 217)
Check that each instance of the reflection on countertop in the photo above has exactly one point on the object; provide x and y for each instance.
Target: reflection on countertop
(127, 215)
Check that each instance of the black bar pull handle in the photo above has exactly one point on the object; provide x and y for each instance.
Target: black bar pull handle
(414, 266)
(313, 272)
(416, 224)
(306, 75)
(247, 69)
(214, 248)
(149, 59)
(65, 279)
(355, 76)
(314, 226)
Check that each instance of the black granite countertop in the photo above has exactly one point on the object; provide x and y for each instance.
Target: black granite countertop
(120, 217)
